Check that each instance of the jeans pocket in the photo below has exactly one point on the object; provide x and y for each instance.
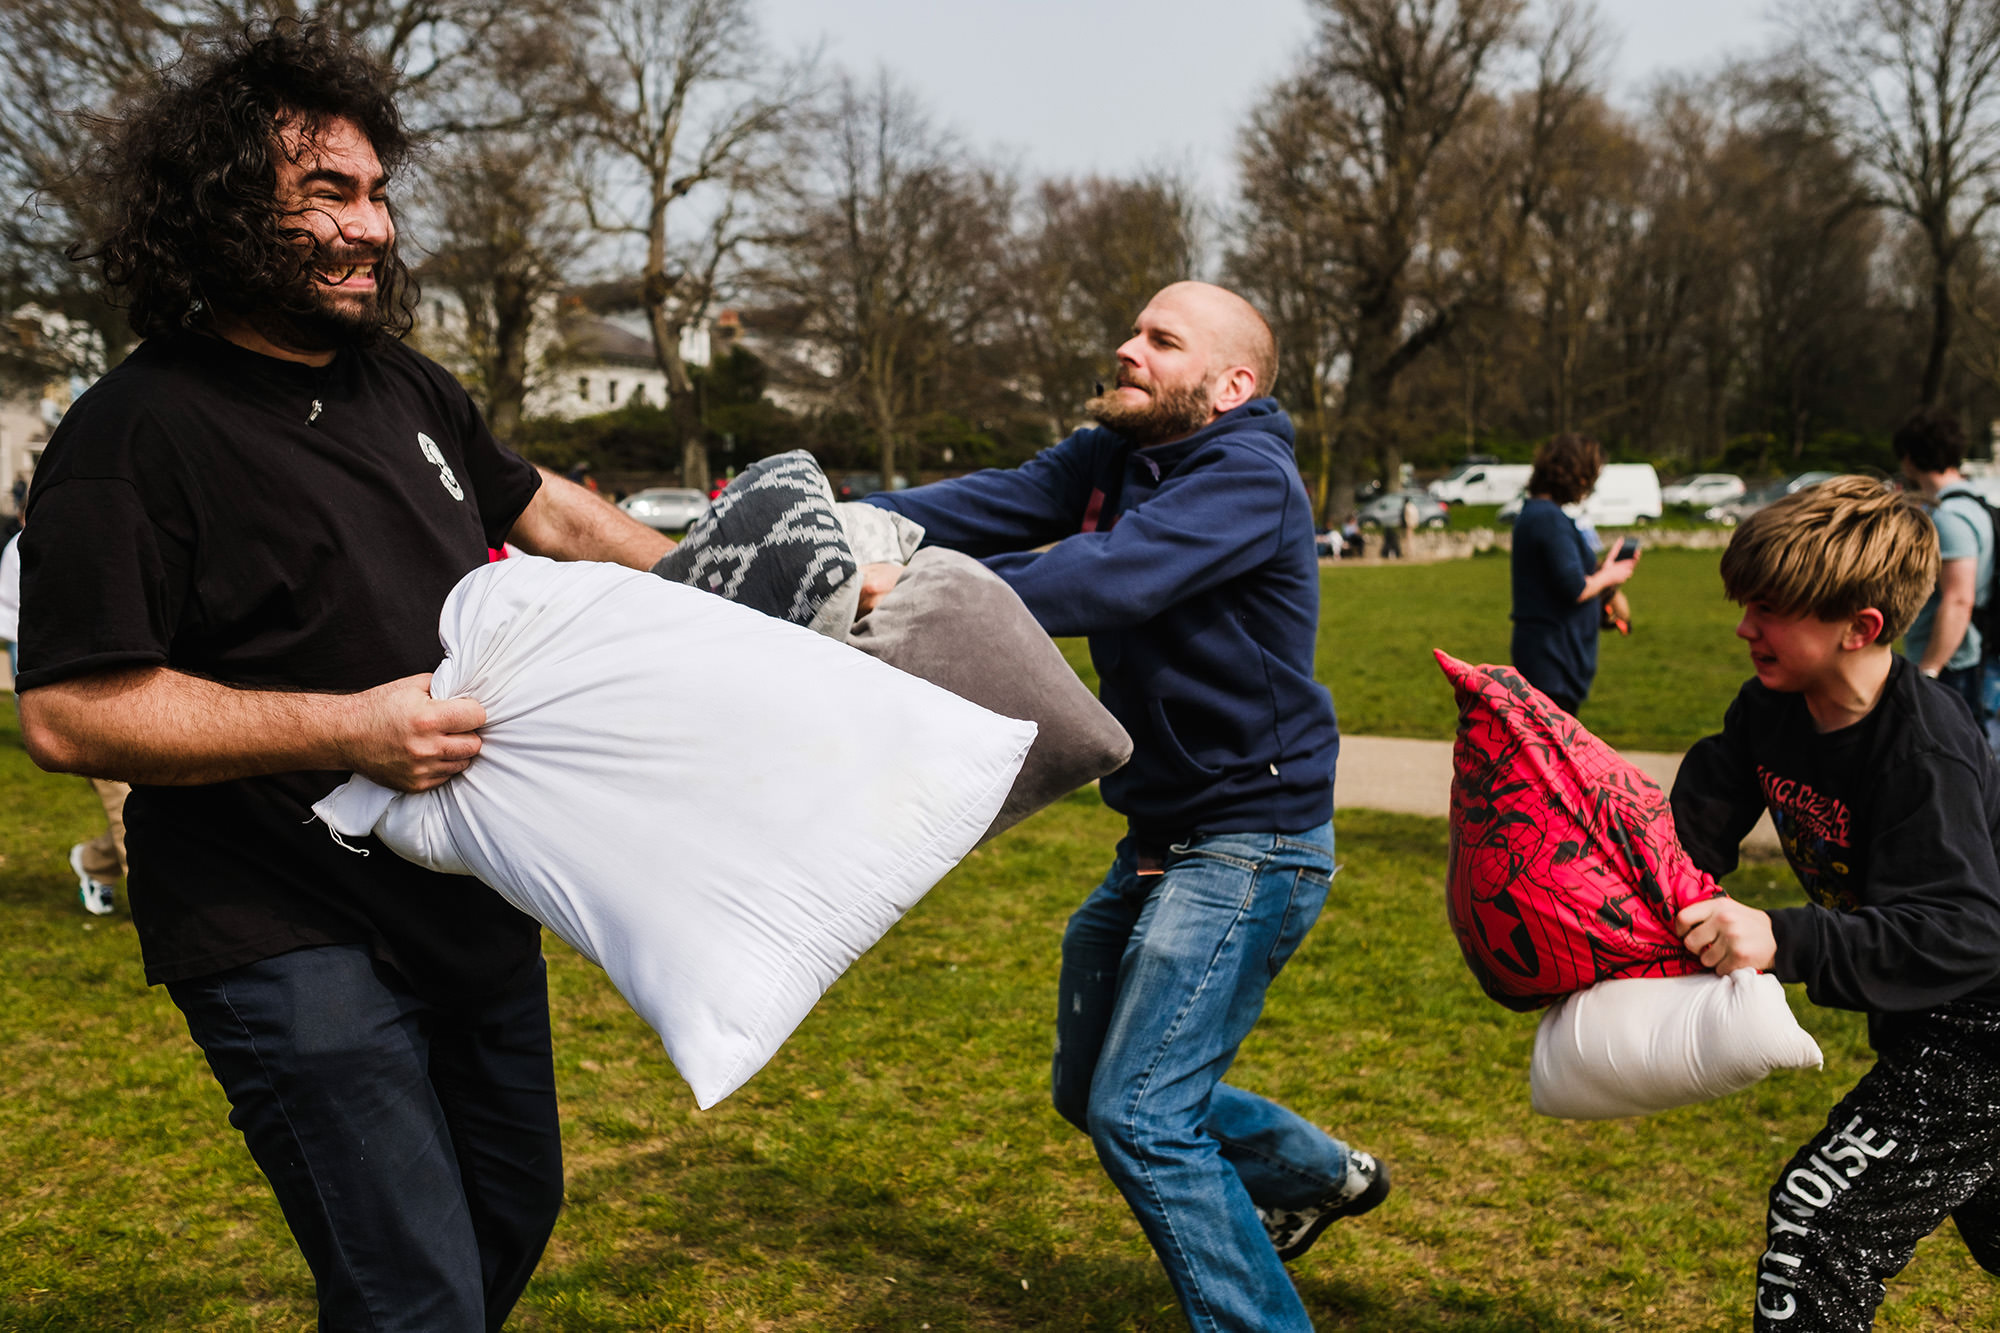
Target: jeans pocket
(1310, 887)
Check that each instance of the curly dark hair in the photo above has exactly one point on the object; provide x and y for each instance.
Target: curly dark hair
(186, 181)
(1566, 467)
(1931, 439)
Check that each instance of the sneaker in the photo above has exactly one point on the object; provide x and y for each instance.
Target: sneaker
(94, 892)
(1293, 1230)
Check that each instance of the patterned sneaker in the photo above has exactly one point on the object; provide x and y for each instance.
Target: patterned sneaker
(1293, 1230)
(94, 892)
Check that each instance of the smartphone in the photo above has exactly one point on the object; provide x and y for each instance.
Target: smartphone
(1628, 549)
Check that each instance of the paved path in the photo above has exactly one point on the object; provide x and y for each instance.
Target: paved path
(1414, 778)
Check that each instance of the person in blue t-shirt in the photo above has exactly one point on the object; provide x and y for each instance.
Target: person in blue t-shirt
(1179, 538)
(1943, 640)
(1556, 575)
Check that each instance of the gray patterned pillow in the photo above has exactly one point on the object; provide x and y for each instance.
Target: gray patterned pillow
(958, 625)
(772, 541)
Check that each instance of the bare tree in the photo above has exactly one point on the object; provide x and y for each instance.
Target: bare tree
(1915, 85)
(1092, 253)
(892, 256)
(680, 111)
(1413, 177)
(504, 238)
(59, 58)
(1288, 256)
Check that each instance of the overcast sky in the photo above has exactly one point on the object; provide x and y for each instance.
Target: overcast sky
(1074, 86)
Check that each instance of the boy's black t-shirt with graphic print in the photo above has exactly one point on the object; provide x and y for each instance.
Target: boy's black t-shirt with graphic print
(1890, 824)
(272, 525)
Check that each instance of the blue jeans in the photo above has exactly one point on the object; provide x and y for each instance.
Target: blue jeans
(414, 1150)
(1162, 978)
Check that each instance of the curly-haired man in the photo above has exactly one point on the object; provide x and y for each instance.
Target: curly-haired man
(239, 543)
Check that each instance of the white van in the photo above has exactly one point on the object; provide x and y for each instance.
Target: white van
(1481, 483)
(1625, 494)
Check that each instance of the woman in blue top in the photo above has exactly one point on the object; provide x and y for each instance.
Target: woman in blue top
(1557, 579)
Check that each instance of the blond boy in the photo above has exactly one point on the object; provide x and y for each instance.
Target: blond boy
(1887, 803)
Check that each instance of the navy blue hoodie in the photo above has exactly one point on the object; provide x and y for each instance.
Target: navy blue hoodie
(1191, 568)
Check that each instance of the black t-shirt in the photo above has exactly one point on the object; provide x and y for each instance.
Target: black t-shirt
(278, 526)
(1891, 825)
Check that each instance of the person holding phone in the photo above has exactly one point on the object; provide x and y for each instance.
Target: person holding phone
(1557, 580)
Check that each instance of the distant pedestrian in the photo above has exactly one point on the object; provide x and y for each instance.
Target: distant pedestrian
(1944, 639)
(101, 860)
(1557, 580)
(10, 601)
(1392, 539)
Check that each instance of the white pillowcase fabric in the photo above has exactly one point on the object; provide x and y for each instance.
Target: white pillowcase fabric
(1637, 1045)
(720, 809)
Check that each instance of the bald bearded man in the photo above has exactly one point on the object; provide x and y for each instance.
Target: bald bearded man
(1183, 547)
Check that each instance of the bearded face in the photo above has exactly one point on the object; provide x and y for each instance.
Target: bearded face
(333, 303)
(1146, 411)
(332, 197)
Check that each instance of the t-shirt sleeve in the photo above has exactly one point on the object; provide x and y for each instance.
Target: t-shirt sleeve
(102, 585)
(1931, 930)
(1957, 539)
(1716, 801)
(503, 480)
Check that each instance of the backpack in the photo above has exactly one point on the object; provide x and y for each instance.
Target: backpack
(1986, 611)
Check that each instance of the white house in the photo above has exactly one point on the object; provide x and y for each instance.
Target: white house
(583, 358)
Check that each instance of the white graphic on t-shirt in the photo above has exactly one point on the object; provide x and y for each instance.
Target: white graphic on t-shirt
(436, 455)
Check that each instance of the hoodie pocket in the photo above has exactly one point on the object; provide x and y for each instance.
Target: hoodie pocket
(1163, 727)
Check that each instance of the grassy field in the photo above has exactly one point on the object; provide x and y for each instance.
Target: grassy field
(897, 1166)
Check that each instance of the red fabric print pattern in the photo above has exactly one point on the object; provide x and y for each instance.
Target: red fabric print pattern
(1565, 868)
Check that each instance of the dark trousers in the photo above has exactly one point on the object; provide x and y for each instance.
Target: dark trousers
(414, 1150)
(1916, 1141)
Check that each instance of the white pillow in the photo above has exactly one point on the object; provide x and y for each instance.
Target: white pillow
(721, 809)
(1643, 1044)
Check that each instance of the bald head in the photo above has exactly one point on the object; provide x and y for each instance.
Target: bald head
(1197, 352)
(1235, 334)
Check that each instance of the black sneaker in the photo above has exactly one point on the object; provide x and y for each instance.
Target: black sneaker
(1293, 1230)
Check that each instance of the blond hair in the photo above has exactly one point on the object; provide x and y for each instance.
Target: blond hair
(1834, 550)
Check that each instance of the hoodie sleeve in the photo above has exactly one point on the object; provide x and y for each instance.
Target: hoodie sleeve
(1003, 509)
(1221, 513)
(1930, 931)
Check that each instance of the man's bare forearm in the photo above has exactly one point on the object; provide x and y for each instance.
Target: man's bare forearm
(566, 522)
(165, 728)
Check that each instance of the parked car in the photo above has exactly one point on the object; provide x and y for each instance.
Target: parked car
(1735, 511)
(1700, 492)
(668, 508)
(1482, 483)
(1386, 510)
(857, 484)
(1626, 494)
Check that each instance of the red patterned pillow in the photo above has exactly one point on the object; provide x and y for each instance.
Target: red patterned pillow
(1565, 868)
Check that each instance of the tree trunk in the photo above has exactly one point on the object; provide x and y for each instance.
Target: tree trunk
(1941, 329)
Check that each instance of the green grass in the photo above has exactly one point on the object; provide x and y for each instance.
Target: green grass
(1469, 518)
(1662, 688)
(897, 1164)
